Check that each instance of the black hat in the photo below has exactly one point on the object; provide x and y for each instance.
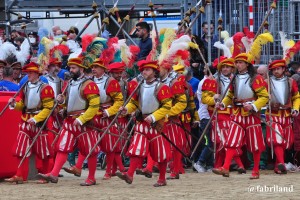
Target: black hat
(32, 33)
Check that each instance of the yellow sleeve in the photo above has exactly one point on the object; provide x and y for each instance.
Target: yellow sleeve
(262, 98)
(19, 105)
(208, 98)
(47, 104)
(94, 103)
(179, 106)
(296, 101)
(131, 106)
(228, 98)
(193, 108)
(118, 102)
(166, 105)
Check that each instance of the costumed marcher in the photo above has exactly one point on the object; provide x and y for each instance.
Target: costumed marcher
(111, 99)
(220, 125)
(82, 103)
(153, 99)
(248, 94)
(285, 102)
(116, 70)
(37, 100)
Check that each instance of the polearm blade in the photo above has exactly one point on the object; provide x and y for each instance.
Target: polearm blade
(151, 5)
(273, 6)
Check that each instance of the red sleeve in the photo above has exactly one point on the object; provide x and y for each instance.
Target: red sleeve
(164, 93)
(113, 86)
(131, 87)
(210, 85)
(258, 82)
(177, 87)
(91, 88)
(181, 78)
(47, 92)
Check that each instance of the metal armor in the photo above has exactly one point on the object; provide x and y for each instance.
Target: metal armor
(33, 96)
(102, 85)
(147, 98)
(168, 80)
(55, 83)
(243, 90)
(75, 101)
(280, 90)
(224, 82)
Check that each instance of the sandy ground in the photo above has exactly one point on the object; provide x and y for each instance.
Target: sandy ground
(191, 185)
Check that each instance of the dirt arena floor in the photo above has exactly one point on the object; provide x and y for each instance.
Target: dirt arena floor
(191, 185)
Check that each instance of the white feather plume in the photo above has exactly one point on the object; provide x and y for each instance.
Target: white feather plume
(224, 48)
(7, 49)
(285, 43)
(24, 52)
(181, 43)
(247, 43)
(229, 42)
(75, 54)
(224, 35)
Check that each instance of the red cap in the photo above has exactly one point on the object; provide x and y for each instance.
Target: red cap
(117, 67)
(31, 67)
(77, 62)
(54, 61)
(98, 62)
(277, 63)
(147, 64)
(216, 61)
(242, 57)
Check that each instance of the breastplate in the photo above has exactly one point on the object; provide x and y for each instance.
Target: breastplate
(33, 95)
(75, 101)
(243, 88)
(280, 91)
(224, 82)
(55, 83)
(102, 85)
(147, 98)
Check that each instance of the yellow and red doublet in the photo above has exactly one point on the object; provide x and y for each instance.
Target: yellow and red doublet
(146, 138)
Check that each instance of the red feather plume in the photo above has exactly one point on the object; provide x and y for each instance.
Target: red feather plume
(238, 45)
(86, 40)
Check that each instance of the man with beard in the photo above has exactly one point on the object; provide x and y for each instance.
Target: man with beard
(37, 100)
(82, 104)
(154, 101)
(285, 102)
(111, 100)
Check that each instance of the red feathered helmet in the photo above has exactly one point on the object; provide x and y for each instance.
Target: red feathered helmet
(55, 61)
(117, 67)
(31, 67)
(142, 64)
(276, 64)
